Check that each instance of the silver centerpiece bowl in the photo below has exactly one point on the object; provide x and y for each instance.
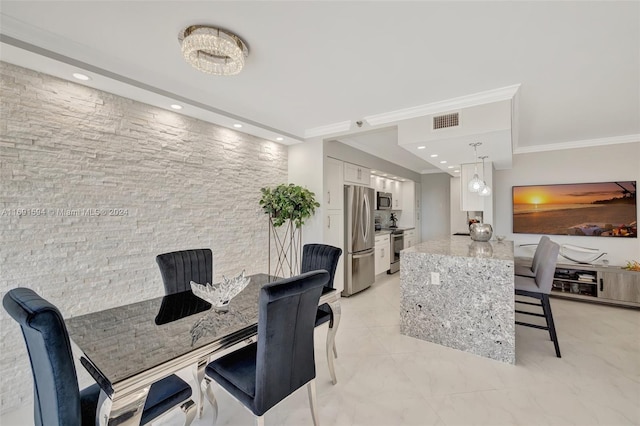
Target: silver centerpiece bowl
(480, 231)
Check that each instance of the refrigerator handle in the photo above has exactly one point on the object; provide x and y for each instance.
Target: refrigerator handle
(362, 216)
(360, 256)
(367, 205)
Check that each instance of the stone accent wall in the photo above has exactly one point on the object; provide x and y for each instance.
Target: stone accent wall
(93, 186)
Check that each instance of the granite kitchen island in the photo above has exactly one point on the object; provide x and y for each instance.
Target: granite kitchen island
(459, 293)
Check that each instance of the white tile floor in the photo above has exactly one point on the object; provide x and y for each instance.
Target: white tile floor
(385, 378)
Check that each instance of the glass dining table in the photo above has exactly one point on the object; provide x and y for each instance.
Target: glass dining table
(128, 348)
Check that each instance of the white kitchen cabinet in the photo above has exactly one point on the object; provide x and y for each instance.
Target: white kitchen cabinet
(383, 255)
(357, 174)
(418, 212)
(381, 184)
(396, 193)
(334, 236)
(409, 238)
(407, 200)
(334, 188)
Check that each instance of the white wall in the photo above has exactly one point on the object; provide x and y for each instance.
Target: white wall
(182, 183)
(306, 169)
(594, 164)
(435, 205)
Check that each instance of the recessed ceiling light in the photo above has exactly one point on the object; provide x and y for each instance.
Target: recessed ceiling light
(456, 171)
(434, 155)
(82, 77)
(176, 106)
(421, 147)
(237, 126)
(450, 167)
(373, 171)
(443, 162)
(279, 138)
(384, 174)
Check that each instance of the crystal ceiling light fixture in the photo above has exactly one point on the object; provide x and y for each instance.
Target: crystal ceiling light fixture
(475, 184)
(486, 190)
(213, 50)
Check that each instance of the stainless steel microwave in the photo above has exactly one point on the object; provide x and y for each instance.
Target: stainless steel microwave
(384, 201)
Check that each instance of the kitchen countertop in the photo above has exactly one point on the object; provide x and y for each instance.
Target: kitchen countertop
(383, 232)
(459, 246)
(459, 293)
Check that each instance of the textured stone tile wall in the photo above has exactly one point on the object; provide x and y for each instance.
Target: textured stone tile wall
(93, 186)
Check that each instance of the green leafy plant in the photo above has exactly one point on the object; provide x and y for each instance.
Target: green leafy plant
(288, 202)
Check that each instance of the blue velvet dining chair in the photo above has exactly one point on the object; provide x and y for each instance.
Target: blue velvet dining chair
(179, 268)
(57, 399)
(322, 256)
(262, 374)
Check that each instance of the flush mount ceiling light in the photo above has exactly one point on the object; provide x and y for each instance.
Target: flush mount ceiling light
(80, 76)
(475, 184)
(213, 50)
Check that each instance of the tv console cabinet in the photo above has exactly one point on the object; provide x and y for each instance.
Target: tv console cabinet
(594, 283)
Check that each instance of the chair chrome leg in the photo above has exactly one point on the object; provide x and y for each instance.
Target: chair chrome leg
(331, 339)
(212, 399)
(259, 420)
(546, 306)
(190, 409)
(311, 387)
(335, 351)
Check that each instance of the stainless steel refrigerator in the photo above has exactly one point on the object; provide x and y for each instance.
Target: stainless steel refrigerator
(359, 238)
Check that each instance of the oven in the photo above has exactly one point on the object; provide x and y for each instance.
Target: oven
(397, 244)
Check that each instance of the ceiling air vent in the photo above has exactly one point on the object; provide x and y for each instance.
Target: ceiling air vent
(447, 120)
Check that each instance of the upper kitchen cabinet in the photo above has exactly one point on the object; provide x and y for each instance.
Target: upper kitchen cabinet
(407, 203)
(396, 189)
(333, 188)
(357, 174)
(381, 184)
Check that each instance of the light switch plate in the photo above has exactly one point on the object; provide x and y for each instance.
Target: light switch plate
(435, 278)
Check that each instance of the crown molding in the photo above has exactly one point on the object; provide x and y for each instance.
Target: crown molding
(475, 99)
(612, 140)
(342, 126)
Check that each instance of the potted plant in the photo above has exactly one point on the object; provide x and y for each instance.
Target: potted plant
(288, 205)
(288, 202)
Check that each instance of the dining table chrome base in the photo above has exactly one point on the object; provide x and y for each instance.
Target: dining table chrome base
(124, 410)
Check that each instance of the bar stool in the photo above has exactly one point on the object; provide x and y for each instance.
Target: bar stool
(539, 287)
(527, 271)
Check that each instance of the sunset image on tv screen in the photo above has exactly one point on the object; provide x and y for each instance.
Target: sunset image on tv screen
(603, 209)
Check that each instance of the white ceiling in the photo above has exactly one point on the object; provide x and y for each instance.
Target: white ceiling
(313, 65)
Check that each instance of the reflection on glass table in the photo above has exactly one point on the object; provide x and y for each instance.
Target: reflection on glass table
(128, 348)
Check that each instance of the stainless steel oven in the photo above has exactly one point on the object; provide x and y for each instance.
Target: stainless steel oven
(397, 244)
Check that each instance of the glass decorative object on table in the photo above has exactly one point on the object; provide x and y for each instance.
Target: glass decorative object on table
(220, 294)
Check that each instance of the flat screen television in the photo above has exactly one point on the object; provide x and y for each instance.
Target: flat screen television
(602, 209)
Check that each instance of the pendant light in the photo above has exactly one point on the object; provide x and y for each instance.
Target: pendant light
(475, 184)
(486, 190)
